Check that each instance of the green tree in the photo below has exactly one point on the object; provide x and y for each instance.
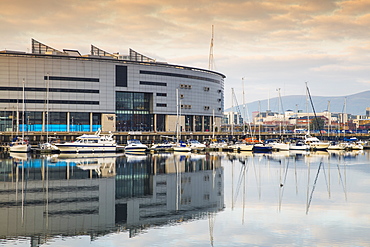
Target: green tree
(317, 124)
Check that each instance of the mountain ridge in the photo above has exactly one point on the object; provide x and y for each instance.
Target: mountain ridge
(352, 104)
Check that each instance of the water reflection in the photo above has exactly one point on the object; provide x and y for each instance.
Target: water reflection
(238, 199)
(292, 171)
(94, 194)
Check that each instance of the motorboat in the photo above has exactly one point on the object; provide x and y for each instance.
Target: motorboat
(20, 146)
(354, 146)
(337, 146)
(196, 145)
(135, 145)
(277, 145)
(164, 146)
(261, 148)
(89, 144)
(299, 145)
(241, 147)
(215, 144)
(49, 147)
(181, 147)
(315, 143)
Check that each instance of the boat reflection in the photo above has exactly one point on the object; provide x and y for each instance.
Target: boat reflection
(73, 194)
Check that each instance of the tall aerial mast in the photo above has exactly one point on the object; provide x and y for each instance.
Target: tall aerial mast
(210, 60)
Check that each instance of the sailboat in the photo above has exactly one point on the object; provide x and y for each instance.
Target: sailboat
(240, 146)
(48, 146)
(278, 144)
(20, 145)
(180, 146)
(314, 142)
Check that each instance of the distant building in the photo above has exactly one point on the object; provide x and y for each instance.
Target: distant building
(232, 118)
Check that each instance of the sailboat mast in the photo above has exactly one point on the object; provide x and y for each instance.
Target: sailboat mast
(23, 96)
(244, 117)
(329, 118)
(308, 118)
(259, 122)
(279, 111)
(47, 109)
(345, 119)
(213, 125)
(232, 113)
(177, 115)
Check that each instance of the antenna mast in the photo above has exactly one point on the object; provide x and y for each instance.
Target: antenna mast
(210, 60)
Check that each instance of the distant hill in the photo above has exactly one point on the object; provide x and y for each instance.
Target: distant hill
(355, 104)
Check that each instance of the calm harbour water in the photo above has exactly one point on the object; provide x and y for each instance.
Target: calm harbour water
(210, 199)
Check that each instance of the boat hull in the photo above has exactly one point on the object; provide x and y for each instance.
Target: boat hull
(319, 146)
(182, 149)
(243, 148)
(20, 148)
(136, 149)
(261, 149)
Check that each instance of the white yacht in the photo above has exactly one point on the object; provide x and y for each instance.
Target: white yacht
(240, 147)
(218, 144)
(299, 145)
(135, 145)
(337, 146)
(354, 146)
(164, 146)
(181, 147)
(89, 144)
(195, 145)
(20, 146)
(277, 145)
(315, 143)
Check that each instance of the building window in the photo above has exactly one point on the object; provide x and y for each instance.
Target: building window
(153, 83)
(198, 123)
(64, 78)
(161, 105)
(162, 94)
(58, 90)
(121, 76)
(133, 111)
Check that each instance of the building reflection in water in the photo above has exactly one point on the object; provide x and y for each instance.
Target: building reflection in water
(95, 194)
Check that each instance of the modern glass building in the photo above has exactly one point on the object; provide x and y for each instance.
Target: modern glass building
(67, 91)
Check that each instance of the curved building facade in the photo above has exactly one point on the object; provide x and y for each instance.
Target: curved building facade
(65, 91)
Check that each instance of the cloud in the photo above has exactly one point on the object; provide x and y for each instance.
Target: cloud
(271, 42)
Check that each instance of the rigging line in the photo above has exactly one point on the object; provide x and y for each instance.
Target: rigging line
(313, 109)
(282, 185)
(341, 180)
(295, 176)
(326, 181)
(243, 170)
(313, 187)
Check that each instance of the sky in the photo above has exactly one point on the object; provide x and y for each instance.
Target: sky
(261, 46)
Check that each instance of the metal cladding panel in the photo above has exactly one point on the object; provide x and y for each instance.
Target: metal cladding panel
(164, 79)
